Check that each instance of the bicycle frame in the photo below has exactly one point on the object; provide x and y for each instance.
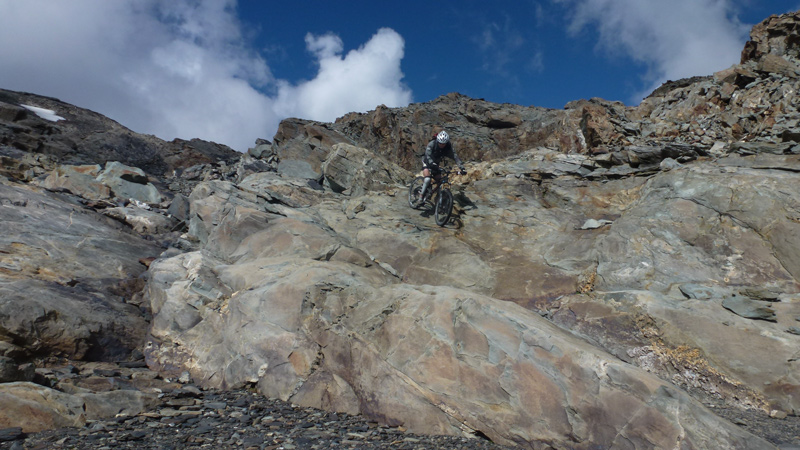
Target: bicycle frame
(440, 180)
(438, 192)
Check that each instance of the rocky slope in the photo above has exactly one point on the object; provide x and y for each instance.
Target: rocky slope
(611, 271)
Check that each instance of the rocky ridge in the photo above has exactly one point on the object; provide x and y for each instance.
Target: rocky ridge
(613, 276)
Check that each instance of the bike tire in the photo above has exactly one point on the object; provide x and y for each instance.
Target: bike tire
(414, 190)
(444, 207)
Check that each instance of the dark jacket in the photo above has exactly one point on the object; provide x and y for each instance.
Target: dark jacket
(434, 154)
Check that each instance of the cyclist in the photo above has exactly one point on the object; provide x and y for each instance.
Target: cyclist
(436, 150)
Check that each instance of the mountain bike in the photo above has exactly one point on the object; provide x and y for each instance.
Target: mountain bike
(439, 190)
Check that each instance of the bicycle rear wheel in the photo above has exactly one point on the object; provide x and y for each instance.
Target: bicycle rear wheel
(414, 191)
(444, 207)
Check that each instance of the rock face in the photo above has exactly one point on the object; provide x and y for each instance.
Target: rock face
(80, 136)
(65, 275)
(354, 171)
(607, 272)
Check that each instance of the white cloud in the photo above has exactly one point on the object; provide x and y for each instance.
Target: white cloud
(182, 68)
(675, 39)
(349, 83)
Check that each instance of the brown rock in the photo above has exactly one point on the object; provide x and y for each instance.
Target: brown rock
(36, 408)
(79, 180)
(771, 63)
(775, 35)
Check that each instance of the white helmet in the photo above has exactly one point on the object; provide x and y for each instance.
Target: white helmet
(442, 137)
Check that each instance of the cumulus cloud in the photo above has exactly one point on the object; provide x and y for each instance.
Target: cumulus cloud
(675, 39)
(347, 83)
(183, 69)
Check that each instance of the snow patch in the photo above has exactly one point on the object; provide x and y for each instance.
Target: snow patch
(46, 114)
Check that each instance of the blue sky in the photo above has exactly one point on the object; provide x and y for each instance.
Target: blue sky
(229, 71)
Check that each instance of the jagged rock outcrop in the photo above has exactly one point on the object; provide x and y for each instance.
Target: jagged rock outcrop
(776, 35)
(482, 130)
(355, 171)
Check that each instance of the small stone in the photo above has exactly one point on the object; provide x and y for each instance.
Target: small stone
(189, 391)
(749, 309)
(138, 434)
(11, 434)
(697, 291)
(133, 364)
(185, 378)
(777, 414)
(183, 401)
(216, 405)
(591, 224)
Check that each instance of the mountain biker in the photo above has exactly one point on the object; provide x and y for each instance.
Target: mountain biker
(436, 150)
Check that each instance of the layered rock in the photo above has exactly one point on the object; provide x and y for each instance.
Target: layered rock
(78, 136)
(66, 275)
(651, 232)
(293, 308)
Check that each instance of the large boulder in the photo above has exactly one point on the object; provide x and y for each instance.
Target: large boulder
(66, 275)
(439, 360)
(33, 407)
(355, 171)
(302, 146)
(129, 183)
(78, 180)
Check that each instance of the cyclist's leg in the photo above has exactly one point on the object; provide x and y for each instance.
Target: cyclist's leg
(426, 172)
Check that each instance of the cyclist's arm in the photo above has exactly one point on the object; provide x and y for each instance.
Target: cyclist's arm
(456, 158)
(429, 153)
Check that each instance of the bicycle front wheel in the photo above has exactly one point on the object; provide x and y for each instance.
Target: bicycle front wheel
(444, 207)
(414, 191)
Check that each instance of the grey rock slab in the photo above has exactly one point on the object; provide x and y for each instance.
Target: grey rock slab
(701, 292)
(105, 405)
(299, 169)
(66, 273)
(179, 207)
(488, 365)
(695, 343)
(129, 183)
(354, 170)
(705, 223)
(141, 220)
(749, 308)
(79, 180)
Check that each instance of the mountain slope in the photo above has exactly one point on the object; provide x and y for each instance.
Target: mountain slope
(609, 270)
